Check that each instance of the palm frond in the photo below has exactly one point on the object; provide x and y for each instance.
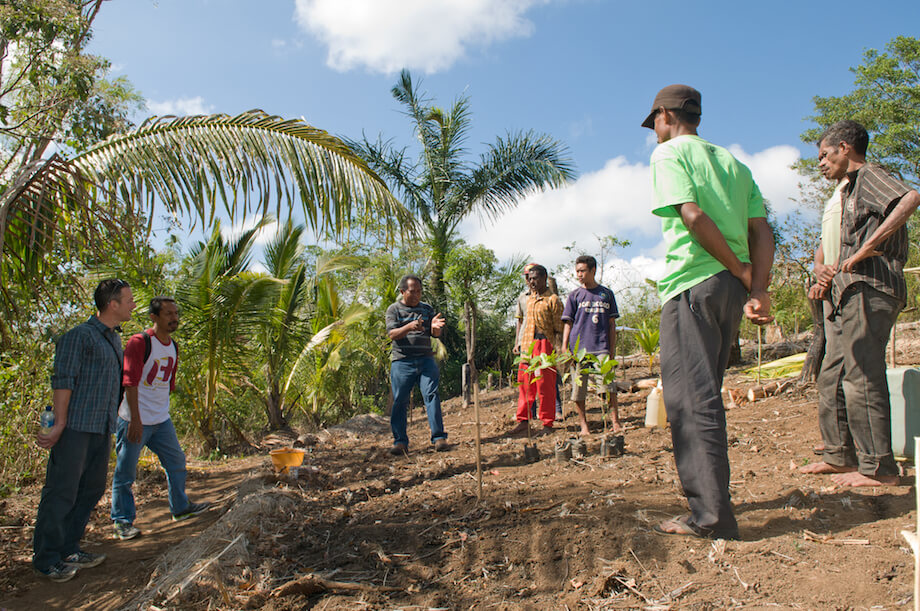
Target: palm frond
(516, 165)
(245, 161)
(47, 210)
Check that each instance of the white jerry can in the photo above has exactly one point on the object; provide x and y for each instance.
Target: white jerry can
(655, 413)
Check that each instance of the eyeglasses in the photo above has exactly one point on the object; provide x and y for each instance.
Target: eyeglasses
(115, 288)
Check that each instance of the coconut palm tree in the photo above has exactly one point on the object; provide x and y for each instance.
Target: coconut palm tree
(442, 186)
(299, 323)
(252, 163)
(223, 305)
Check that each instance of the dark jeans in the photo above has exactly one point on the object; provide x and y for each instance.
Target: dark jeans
(404, 375)
(854, 412)
(697, 328)
(74, 483)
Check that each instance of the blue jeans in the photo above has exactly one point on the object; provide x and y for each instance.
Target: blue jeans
(162, 441)
(74, 483)
(404, 375)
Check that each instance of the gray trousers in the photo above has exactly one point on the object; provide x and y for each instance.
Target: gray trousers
(854, 412)
(74, 483)
(697, 328)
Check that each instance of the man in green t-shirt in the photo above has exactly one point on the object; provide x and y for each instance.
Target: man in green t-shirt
(719, 255)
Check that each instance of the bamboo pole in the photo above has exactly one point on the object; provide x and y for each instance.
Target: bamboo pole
(759, 351)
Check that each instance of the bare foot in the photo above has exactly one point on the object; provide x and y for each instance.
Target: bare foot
(617, 427)
(855, 479)
(585, 431)
(822, 467)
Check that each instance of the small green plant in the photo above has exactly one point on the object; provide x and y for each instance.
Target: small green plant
(647, 338)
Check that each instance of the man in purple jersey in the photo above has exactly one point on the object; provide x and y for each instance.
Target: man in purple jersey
(589, 323)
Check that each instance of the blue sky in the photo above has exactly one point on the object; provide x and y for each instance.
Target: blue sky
(584, 71)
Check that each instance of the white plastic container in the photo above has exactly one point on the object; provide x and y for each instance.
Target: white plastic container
(655, 413)
(904, 389)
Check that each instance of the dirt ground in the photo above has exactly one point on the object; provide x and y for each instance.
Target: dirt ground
(409, 533)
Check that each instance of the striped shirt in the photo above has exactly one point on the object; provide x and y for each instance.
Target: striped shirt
(543, 316)
(88, 361)
(870, 196)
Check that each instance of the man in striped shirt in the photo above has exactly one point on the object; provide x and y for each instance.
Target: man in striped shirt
(866, 293)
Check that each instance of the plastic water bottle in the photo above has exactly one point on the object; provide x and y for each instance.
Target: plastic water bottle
(47, 420)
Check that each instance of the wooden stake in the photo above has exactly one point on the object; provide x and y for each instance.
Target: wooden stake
(479, 443)
(759, 350)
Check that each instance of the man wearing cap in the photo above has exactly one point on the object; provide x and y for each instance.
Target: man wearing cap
(719, 255)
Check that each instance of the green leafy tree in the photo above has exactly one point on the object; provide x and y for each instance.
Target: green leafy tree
(468, 272)
(885, 100)
(442, 187)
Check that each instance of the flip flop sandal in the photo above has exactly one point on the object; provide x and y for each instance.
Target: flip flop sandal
(678, 526)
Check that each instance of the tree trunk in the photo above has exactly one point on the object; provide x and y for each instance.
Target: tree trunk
(274, 411)
(815, 356)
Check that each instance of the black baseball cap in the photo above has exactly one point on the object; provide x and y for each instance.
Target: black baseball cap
(672, 97)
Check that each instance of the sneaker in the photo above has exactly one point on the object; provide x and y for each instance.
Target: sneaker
(192, 510)
(59, 572)
(125, 530)
(84, 560)
(399, 449)
(441, 445)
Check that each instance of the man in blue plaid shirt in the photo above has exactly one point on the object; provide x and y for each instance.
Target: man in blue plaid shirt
(87, 390)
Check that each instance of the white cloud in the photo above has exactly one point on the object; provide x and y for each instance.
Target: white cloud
(614, 200)
(262, 236)
(180, 107)
(388, 35)
(772, 170)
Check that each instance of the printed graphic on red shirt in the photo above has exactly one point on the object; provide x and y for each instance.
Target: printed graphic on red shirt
(160, 371)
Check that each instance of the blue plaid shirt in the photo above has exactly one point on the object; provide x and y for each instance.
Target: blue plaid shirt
(88, 360)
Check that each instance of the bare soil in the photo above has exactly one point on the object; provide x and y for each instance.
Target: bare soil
(409, 532)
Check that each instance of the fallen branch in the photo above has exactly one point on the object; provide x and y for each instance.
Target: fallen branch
(313, 584)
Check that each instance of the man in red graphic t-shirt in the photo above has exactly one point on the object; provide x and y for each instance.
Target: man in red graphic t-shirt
(151, 359)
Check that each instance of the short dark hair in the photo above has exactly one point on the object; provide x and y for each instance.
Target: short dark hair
(538, 269)
(404, 282)
(107, 290)
(851, 132)
(690, 118)
(156, 304)
(588, 260)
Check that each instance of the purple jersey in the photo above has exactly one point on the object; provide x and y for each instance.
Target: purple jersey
(590, 311)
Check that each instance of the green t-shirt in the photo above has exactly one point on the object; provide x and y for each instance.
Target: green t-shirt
(689, 169)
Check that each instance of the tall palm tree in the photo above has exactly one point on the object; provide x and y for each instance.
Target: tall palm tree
(223, 305)
(248, 163)
(442, 187)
